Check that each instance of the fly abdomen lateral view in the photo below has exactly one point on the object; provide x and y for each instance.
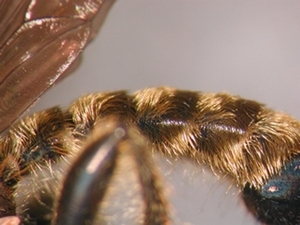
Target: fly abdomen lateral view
(232, 135)
(98, 161)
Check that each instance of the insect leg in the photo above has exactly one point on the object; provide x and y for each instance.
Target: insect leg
(157, 208)
(89, 179)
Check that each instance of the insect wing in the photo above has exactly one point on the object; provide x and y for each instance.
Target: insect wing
(40, 41)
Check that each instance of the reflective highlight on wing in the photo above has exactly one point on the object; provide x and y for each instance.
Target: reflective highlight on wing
(41, 41)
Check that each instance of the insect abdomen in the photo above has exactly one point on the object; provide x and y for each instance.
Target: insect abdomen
(230, 134)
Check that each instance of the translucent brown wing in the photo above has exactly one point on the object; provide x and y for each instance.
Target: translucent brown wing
(39, 42)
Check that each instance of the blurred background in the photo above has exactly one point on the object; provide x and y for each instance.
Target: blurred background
(247, 48)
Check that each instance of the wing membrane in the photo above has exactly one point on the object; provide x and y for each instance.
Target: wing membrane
(39, 49)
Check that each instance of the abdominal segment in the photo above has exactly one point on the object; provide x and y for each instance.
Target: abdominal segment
(256, 146)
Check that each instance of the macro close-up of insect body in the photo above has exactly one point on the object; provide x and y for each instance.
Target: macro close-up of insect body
(98, 160)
